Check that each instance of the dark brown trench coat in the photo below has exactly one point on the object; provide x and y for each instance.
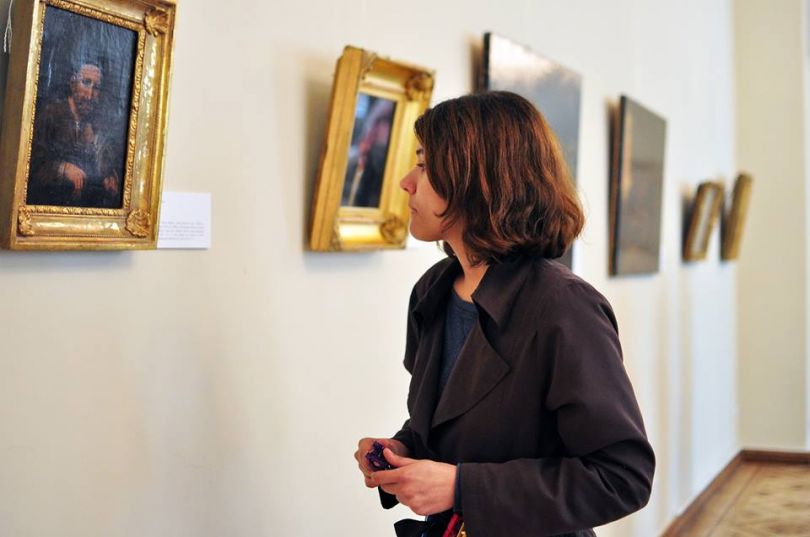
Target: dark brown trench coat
(538, 409)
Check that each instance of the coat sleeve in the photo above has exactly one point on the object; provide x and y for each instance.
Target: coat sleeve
(606, 465)
(404, 435)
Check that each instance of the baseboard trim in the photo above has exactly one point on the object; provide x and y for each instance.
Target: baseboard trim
(694, 509)
(792, 457)
(689, 517)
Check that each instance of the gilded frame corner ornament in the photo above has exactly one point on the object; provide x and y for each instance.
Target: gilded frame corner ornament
(338, 222)
(138, 223)
(32, 217)
(24, 221)
(156, 21)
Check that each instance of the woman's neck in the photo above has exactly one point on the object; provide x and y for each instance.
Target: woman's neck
(471, 275)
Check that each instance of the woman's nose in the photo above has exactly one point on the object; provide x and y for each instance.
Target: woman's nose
(407, 183)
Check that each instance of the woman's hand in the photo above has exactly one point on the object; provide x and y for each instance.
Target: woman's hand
(364, 446)
(427, 487)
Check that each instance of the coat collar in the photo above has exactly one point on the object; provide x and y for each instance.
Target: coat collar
(498, 290)
(495, 294)
(431, 302)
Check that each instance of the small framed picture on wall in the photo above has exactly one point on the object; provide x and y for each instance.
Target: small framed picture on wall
(734, 222)
(84, 124)
(705, 211)
(370, 145)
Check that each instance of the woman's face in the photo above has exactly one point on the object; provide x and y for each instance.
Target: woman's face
(425, 204)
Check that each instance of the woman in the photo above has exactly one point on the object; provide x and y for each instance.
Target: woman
(522, 418)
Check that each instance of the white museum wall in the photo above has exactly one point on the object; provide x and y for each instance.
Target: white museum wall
(222, 392)
(772, 288)
(806, 178)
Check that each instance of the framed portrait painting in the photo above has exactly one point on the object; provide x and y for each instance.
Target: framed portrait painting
(553, 88)
(701, 220)
(370, 145)
(639, 143)
(84, 124)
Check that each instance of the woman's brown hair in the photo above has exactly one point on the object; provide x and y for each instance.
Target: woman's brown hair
(496, 162)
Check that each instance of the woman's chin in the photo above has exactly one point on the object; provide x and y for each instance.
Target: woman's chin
(422, 236)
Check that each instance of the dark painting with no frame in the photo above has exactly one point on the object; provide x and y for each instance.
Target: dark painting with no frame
(84, 93)
(554, 89)
(636, 190)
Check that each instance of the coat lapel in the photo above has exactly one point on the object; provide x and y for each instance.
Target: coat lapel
(425, 380)
(478, 370)
(479, 367)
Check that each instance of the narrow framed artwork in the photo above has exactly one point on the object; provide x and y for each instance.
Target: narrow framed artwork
(705, 211)
(370, 145)
(84, 124)
(734, 223)
(639, 142)
(553, 88)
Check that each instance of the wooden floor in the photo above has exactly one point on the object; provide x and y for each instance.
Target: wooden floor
(752, 498)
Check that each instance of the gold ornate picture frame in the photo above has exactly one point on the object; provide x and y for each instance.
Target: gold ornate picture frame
(704, 214)
(370, 145)
(733, 224)
(84, 124)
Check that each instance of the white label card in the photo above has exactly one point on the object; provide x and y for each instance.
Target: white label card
(185, 220)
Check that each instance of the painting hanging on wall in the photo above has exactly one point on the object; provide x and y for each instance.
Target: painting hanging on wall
(84, 124)
(639, 142)
(370, 145)
(701, 220)
(734, 223)
(553, 88)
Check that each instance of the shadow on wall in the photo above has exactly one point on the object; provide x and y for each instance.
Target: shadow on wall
(318, 93)
(4, 6)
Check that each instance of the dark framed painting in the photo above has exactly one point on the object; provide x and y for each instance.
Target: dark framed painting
(84, 124)
(639, 144)
(701, 220)
(370, 145)
(553, 88)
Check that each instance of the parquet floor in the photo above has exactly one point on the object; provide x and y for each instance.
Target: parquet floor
(758, 499)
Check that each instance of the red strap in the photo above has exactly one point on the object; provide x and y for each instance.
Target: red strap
(452, 529)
